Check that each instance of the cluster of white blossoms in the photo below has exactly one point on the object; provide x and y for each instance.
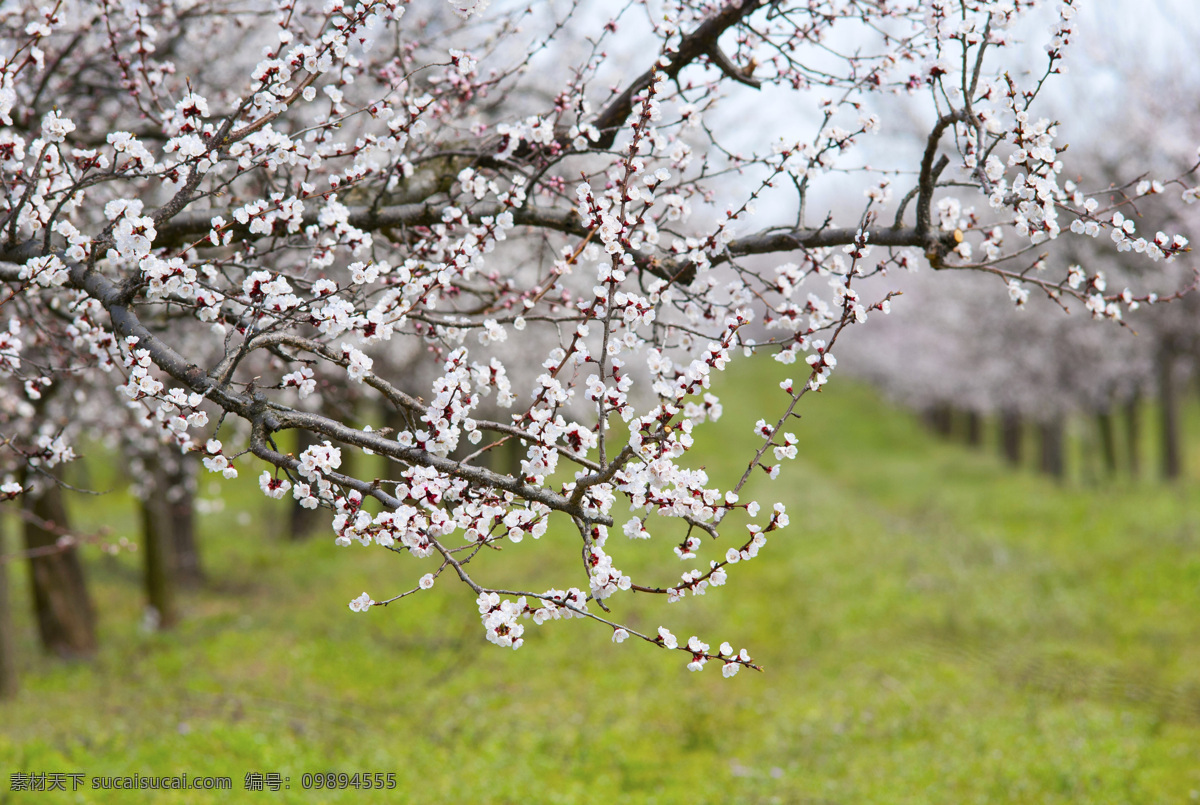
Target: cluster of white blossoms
(48, 271)
(273, 487)
(140, 382)
(500, 619)
(216, 461)
(537, 284)
(362, 603)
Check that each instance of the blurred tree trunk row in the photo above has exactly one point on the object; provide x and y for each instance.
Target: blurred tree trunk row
(1115, 445)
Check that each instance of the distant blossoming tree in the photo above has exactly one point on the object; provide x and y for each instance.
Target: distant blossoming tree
(232, 210)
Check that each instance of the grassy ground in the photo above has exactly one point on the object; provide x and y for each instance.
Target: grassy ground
(935, 629)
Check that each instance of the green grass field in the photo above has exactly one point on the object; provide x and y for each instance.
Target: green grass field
(935, 629)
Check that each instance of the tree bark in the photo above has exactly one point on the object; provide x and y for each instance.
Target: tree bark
(1168, 400)
(158, 560)
(1010, 436)
(1133, 435)
(181, 505)
(8, 637)
(1053, 459)
(65, 618)
(940, 419)
(974, 428)
(1108, 441)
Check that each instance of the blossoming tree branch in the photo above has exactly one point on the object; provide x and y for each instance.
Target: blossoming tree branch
(232, 212)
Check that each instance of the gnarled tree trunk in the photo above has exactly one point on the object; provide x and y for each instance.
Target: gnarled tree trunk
(940, 418)
(158, 561)
(1010, 436)
(65, 618)
(8, 634)
(180, 474)
(1053, 448)
(1133, 435)
(973, 428)
(1108, 441)
(1168, 400)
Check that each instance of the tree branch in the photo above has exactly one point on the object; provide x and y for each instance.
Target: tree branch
(928, 178)
(196, 224)
(270, 418)
(692, 46)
